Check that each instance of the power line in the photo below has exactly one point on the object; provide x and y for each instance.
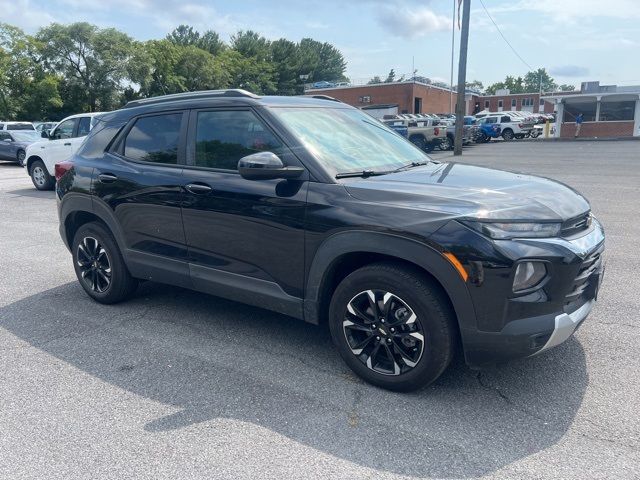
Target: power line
(503, 37)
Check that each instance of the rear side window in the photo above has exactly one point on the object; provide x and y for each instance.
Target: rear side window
(20, 126)
(506, 119)
(154, 139)
(224, 137)
(5, 136)
(491, 120)
(84, 125)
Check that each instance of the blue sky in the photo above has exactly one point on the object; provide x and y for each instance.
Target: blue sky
(575, 40)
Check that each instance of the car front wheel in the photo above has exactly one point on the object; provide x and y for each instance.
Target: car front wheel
(393, 326)
(508, 135)
(40, 176)
(20, 157)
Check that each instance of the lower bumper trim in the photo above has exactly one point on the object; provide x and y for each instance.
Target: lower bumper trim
(566, 324)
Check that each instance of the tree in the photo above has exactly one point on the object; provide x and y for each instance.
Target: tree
(391, 77)
(374, 80)
(210, 41)
(475, 85)
(539, 80)
(285, 56)
(27, 91)
(321, 60)
(251, 74)
(251, 44)
(94, 59)
(566, 88)
(513, 84)
(184, 35)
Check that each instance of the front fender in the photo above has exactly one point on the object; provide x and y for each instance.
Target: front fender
(412, 251)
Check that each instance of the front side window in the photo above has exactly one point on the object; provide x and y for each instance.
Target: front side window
(64, 130)
(84, 125)
(347, 140)
(5, 136)
(223, 137)
(154, 139)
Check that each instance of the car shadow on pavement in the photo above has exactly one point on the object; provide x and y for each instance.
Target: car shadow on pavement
(211, 358)
(31, 192)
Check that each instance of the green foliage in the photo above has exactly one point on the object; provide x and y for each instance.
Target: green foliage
(375, 80)
(391, 77)
(79, 67)
(532, 82)
(566, 88)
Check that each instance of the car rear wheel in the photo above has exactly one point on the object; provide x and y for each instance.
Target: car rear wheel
(20, 157)
(508, 134)
(392, 326)
(40, 176)
(99, 265)
(446, 143)
(419, 141)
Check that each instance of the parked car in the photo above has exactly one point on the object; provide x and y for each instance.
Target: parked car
(62, 142)
(488, 128)
(512, 126)
(14, 143)
(323, 84)
(310, 208)
(448, 142)
(422, 132)
(16, 126)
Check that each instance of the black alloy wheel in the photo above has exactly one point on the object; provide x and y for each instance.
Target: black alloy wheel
(383, 332)
(94, 265)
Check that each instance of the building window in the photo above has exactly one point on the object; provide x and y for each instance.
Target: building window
(587, 109)
(542, 102)
(527, 102)
(486, 104)
(499, 103)
(365, 99)
(513, 103)
(616, 111)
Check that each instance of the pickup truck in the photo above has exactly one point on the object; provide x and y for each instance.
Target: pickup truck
(424, 133)
(511, 126)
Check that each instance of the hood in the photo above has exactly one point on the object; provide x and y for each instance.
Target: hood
(460, 190)
(37, 144)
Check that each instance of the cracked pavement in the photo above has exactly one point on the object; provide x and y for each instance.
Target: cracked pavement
(176, 384)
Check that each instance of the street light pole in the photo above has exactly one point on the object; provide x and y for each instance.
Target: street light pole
(462, 78)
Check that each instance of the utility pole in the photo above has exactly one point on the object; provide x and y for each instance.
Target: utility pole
(453, 40)
(462, 78)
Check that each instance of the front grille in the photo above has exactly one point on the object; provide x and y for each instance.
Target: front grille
(590, 265)
(576, 224)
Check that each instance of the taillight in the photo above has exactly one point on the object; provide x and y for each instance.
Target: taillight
(62, 168)
(436, 131)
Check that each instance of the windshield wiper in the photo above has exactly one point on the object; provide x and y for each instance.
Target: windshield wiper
(362, 173)
(412, 165)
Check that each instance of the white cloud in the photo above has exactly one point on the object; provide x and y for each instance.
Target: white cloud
(574, 10)
(412, 22)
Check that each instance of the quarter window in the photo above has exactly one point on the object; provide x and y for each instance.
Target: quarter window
(224, 137)
(64, 130)
(154, 139)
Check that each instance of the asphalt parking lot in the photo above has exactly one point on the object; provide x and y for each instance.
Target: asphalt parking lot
(175, 384)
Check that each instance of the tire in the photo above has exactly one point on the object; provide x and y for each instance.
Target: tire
(99, 265)
(423, 326)
(508, 135)
(446, 143)
(40, 176)
(419, 141)
(20, 157)
(429, 147)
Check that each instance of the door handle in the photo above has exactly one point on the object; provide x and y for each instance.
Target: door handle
(107, 177)
(198, 188)
(68, 144)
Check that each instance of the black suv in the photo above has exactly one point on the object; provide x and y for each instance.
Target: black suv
(311, 208)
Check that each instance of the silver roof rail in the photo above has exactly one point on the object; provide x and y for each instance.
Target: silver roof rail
(236, 92)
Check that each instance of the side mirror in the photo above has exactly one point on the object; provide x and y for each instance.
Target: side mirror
(266, 166)
(8, 140)
(44, 134)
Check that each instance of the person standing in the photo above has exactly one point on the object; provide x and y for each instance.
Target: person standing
(578, 125)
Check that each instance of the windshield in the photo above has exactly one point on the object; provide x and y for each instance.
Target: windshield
(346, 140)
(20, 126)
(26, 136)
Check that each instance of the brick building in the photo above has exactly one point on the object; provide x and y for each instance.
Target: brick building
(391, 98)
(607, 111)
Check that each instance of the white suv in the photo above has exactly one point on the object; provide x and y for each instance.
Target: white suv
(511, 126)
(63, 141)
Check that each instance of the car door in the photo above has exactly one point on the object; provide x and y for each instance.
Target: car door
(58, 148)
(6, 144)
(243, 235)
(137, 183)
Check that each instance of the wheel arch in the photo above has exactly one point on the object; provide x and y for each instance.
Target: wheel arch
(32, 158)
(343, 253)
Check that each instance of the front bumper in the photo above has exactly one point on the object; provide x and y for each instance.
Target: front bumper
(510, 326)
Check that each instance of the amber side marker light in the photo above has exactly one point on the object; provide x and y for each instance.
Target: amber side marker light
(457, 265)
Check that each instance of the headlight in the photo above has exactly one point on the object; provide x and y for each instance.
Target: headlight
(528, 275)
(508, 230)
